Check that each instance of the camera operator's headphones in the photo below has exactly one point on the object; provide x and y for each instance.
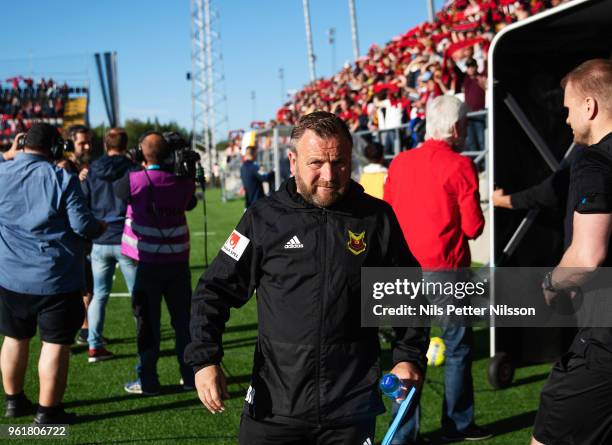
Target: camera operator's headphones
(136, 152)
(58, 146)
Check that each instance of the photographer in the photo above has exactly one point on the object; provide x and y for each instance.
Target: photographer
(42, 214)
(157, 237)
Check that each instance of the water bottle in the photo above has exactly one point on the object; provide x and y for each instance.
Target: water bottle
(391, 386)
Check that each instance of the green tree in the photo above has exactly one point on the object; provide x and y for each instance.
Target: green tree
(222, 145)
(135, 128)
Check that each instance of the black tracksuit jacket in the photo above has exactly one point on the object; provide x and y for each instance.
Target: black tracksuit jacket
(313, 361)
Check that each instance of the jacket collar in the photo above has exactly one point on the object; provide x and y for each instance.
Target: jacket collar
(606, 141)
(22, 156)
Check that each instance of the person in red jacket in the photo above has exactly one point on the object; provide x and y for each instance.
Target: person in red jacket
(434, 193)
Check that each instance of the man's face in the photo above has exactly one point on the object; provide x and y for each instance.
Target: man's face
(82, 143)
(322, 168)
(577, 115)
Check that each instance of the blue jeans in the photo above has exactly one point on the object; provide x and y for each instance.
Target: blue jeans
(458, 402)
(415, 139)
(476, 134)
(104, 258)
(172, 282)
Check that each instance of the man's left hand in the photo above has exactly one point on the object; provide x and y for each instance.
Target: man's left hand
(409, 374)
(10, 154)
(551, 295)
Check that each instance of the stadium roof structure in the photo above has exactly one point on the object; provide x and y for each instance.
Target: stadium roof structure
(528, 135)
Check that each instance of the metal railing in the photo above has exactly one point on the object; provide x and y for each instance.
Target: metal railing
(377, 137)
(274, 143)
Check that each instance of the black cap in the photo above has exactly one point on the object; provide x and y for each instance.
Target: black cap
(471, 62)
(41, 136)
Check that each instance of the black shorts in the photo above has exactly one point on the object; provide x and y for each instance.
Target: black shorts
(576, 402)
(58, 316)
(261, 432)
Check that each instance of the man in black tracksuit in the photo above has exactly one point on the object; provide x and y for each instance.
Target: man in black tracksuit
(575, 403)
(315, 369)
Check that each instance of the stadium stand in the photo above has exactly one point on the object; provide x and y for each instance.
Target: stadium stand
(392, 85)
(24, 101)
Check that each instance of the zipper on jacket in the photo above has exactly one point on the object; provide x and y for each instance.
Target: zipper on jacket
(320, 321)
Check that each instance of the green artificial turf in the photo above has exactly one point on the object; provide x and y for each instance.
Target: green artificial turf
(108, 415)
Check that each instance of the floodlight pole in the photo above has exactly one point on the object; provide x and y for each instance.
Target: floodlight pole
(199, 90)
(211, 86)
(354, 35)
(430, 10)
(253, 105)
(208, 81)
(331, 35)
(281, 76)
(311, 56)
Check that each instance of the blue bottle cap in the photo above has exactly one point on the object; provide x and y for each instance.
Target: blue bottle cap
(388, 382)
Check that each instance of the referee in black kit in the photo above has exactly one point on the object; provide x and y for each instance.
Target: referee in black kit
(576, 403)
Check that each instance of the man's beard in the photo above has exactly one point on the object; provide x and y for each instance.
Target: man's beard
(82, 159)
(309, 195)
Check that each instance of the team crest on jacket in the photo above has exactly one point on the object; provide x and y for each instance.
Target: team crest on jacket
(356, 244)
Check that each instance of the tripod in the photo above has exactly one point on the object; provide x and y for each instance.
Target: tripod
(202, 182)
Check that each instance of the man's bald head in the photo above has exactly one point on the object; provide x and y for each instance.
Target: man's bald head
(154, 147)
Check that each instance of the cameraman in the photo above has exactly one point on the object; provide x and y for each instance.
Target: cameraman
(157, 237)
(42, 214)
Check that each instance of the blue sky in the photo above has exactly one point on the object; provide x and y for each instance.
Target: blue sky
(152, 39)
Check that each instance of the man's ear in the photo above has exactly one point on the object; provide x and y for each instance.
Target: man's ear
(460, 133)
(456, 130)
(591, 107)
(292, 155)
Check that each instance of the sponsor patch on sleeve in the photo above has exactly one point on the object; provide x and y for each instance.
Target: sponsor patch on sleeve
(235, 245)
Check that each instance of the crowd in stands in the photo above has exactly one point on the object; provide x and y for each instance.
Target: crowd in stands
(24, 101)
(392, 85)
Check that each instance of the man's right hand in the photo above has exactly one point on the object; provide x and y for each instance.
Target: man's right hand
(500, 199)
(103, 226)
(212, 388)
(410, 375)
(83, 174)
